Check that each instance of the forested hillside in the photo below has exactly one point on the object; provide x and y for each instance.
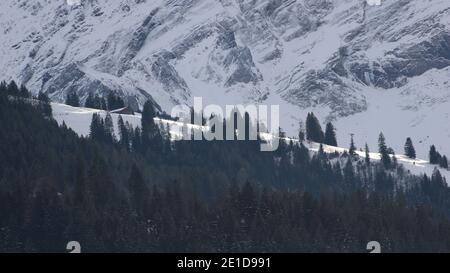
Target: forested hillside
(139, 192)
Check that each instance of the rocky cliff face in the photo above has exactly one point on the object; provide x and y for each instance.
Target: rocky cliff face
(303, 54)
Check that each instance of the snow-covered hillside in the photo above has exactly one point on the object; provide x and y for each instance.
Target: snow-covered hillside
(368, 68)
(79, 119)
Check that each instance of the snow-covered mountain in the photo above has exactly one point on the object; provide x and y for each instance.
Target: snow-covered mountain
(369, 68)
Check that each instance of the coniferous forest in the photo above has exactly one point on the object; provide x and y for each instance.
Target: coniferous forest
(140, 192)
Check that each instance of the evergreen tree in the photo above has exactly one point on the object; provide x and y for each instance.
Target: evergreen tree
(367, 158)
(109, 129)
(97, 130)
(12, 89)
(349, 174)
(443, 163)
(72, 99)
(90, 103)
(103, 104)
(383, 150)
(352, 150)
(434, 155)
(367, 152)
(140, 193)
(148, 120)
(330, 135)
(115, 102)
(95, 102)
(313, 129)
(123, 133)
(409, 149)
(44, 104)
(301, 132)
(137, 140)
(3, 88)
(151, 136)
(23, 92)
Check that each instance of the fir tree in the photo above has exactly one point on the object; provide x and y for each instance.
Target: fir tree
(44, 104)
(434, 155)
(313, 129)
(367, 158)
(123, 133)
(137, 140)
(96, 128)
(95, 102)
(330, 135)
(12, 89)
(109, 129)
(115, 102)
(90, 102)
(349, 174)
(148, 120)
(352, 150)
(23, 92)
(444, 162)
(72, 99)
(301, 132)
(139, 191)
(409, 149)
(103, 104)
(151, 136)
(383, 150)
(3, 88)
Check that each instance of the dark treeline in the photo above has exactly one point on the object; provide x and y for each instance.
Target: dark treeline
(112, 101)
(140, 192)
(437, 159)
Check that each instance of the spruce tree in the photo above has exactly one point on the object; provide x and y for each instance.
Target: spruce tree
(44, 104)
(23, 92)
(349, 174)
(95, 102)
(367, 159)
(139, 191)
(72, 99)
(136, 140)
(301, 132)
(313, 129)
(109, 129)
(148, 119)
(3, 88)
(330, 135)
(409, 149)
(383, 150)
(103, 105)
(434, 155)
(123, 133)
(444, 162)
(115, 102)
(97, 129)
(352, 150)
(89, 103)
(151, 136)
(12, 89)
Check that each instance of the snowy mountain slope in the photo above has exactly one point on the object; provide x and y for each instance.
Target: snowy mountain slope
(356, 64)
(78, 119)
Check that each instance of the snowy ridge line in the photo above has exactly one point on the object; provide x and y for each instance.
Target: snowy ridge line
(79, 119)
